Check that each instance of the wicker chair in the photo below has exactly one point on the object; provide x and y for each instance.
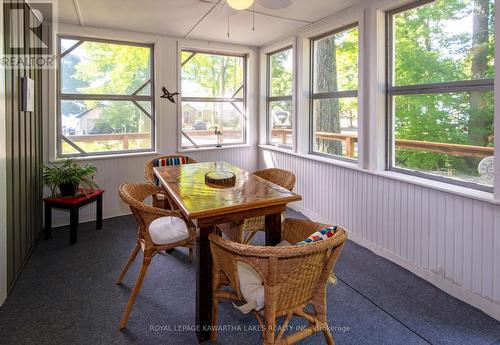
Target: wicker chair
(161, 200)
(244, 232)
(293, 277)
(159, 230)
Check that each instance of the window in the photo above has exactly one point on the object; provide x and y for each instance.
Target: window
(279, 97)
(334, 104)
(213, 99)
(105, 97)
(440, 91)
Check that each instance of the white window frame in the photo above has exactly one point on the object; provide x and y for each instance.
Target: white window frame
(270, 98)
(423, 89)
(332, 94)
(134, 98)
(244, 99)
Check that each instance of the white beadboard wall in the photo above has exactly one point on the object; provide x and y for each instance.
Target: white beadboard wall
(114, 171)
(450, 240)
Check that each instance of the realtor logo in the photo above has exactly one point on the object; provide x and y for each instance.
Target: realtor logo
(29, 33)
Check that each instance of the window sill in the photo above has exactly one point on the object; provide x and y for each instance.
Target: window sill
(319, 158)
(419, 181)
(213, 148)
(99, 157)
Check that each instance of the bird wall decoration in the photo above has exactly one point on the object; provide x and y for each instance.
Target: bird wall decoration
(168, 95)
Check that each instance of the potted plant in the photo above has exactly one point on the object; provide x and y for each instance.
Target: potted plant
(69, 177)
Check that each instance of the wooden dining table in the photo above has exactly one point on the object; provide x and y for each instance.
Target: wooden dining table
(208, 206)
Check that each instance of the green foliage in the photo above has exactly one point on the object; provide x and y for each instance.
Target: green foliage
(209, 75)
(281, 65)
(69, 173)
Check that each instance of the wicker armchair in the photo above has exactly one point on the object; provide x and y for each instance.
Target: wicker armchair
(161, 200)
(293, 277)
(244, 232)
(159, 230)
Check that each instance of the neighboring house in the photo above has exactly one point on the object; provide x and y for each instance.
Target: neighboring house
(87, 121)
(191, 114)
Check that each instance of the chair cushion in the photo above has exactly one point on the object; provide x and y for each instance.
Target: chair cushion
(166, 230)
(162, 162)
(283, 243)
(251, 285)
(320, 235)
(251, 288)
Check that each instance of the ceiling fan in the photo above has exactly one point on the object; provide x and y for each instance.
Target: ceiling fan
(232, 7)
(241, 5)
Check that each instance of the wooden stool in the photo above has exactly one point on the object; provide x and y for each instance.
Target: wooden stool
(73, 205)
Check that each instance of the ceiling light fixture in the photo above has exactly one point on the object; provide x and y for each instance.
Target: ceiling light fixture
(240, 4)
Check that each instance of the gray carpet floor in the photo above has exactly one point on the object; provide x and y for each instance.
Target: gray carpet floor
(67, 295)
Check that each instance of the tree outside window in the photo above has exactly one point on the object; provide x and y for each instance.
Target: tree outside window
(335, 94)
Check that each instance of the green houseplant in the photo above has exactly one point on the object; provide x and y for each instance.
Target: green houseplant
(68, 177)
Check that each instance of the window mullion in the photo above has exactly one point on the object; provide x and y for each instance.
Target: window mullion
(447, 87)
(89, 97)
(335, 94)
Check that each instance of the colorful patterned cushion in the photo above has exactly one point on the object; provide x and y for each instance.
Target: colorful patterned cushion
(163, 162)
(321, 235)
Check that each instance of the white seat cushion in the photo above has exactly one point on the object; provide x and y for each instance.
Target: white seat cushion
(251, 285)
(167, 230)
(251, 288)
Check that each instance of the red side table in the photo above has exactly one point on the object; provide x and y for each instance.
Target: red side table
(73, 205)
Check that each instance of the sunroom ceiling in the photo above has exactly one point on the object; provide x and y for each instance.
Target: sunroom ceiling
(198, 19)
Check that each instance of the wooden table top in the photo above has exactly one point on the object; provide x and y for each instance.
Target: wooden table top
(186, 184)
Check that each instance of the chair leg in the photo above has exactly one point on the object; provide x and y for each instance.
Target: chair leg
(328, 335)
(137, 287)
(215, 310)
(131, 259)
(191, 254)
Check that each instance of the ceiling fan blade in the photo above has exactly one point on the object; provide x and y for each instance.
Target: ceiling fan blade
(275, 4)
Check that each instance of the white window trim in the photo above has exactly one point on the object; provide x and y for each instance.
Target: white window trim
(311, 88)
(210, 47)
(264, 120)
(61, 97)
(50, 77)
(470, 85)
(344, 19)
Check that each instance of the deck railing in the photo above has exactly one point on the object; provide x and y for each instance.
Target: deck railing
(123, 137)
(349, 141)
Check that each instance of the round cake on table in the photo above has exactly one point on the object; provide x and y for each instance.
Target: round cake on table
(220, 179)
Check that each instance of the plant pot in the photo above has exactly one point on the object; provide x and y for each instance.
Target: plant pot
(68, 190)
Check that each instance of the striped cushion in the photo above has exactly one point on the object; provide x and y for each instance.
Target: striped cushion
(162, 162)
(321, 235)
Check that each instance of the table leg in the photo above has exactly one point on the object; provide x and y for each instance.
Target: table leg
(273, 229)
(98, 223)
(48, 221)
(73, 225)
(204, 284)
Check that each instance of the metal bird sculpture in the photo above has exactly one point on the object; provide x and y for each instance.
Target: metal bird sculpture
(168, 95)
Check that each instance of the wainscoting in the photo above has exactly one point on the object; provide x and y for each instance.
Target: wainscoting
(23, 151)
(449, 240)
